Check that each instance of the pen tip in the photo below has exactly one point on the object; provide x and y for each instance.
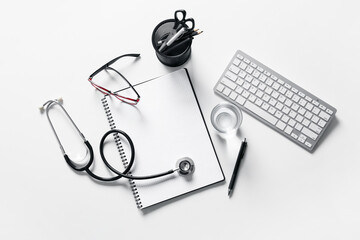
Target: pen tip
(229, 192)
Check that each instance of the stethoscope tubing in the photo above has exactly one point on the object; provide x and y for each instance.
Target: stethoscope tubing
(87, 166)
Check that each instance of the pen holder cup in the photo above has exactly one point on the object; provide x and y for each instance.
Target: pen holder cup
(174, 55)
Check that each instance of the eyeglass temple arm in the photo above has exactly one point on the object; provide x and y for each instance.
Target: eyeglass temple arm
(111, 62)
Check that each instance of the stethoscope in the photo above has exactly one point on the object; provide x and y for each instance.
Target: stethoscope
(185, 166)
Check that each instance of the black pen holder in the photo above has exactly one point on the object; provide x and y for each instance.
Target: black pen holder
(171, 56)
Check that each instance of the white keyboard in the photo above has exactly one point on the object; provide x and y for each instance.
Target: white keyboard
(274, 100)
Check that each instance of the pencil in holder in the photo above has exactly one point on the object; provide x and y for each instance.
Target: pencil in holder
(174, 55)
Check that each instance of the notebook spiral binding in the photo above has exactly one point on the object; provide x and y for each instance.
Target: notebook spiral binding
(121, 151)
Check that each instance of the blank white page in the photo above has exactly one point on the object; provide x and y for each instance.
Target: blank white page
(167, 124)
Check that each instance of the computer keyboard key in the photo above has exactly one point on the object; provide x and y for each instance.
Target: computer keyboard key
(308, 144)
(242, 74)
(231, 76)
(226, 91)
(258, 111)
(249, 70)
(316, 103)
(308, 98)
(240, 100)
(278, 114)
(246, 60)
(306, 122)
(258, 102)
(324, 116)
(252, 98)
(315, 128)
(308, 115)
(292, 122)
(233, 95)
(234, 69)
(288, 130)
(272, 110)
(243, 65)
(321, 123)
(329, 111)
(262, 78)
(239, 89)
(315, 119)
(309, 133)
(294, 135)
(265, 106)
(220, 87)
(274, 100)
(236, 62)
(316, 110)
(302, 138)
(298, 126)
(245, 94)
(249, 78)
(309, 106)
(229, 83)
(280, 125)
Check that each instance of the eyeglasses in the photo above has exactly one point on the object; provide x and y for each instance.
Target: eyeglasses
(133, 100)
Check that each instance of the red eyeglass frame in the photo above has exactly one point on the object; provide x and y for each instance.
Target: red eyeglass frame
(105, 91)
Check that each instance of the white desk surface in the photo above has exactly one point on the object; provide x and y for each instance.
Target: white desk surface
(48, 49)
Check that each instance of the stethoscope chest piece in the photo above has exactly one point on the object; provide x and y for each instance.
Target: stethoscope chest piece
(185, 166)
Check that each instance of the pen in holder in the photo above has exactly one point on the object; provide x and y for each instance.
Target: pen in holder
(175, 54)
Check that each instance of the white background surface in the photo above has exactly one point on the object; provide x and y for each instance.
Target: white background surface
(48, 49)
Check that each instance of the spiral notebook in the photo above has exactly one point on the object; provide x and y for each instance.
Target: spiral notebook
(166, 125)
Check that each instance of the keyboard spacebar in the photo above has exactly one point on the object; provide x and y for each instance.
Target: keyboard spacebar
(260, 112)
